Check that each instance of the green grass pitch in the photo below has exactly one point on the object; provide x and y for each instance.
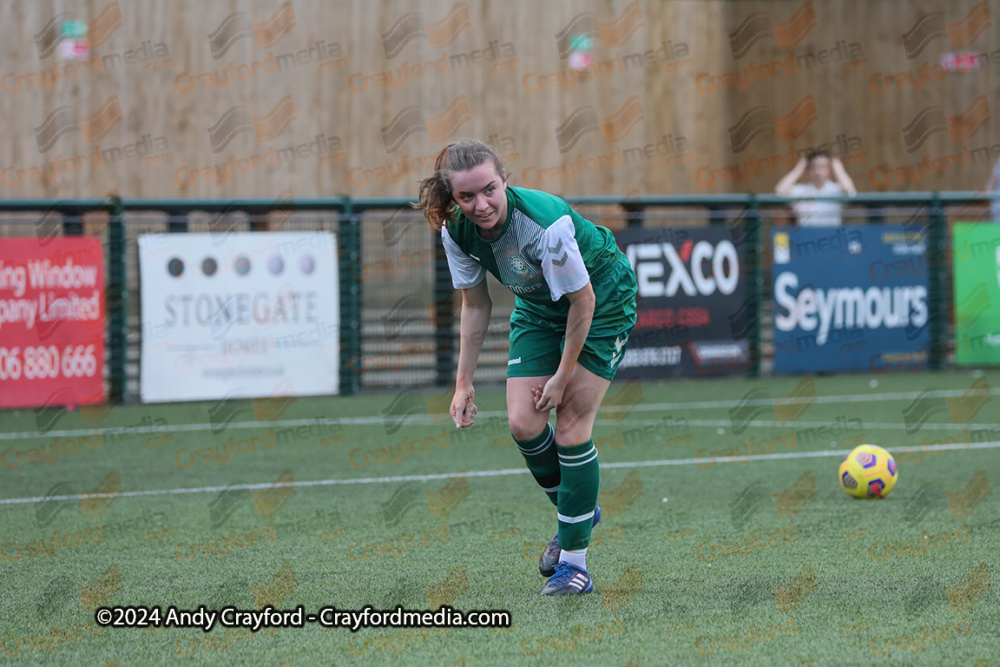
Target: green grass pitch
(699, 558)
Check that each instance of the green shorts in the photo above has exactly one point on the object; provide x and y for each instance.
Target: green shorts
(537, 337)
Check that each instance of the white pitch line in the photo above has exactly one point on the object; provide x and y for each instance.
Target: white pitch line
(888, 426)
(168, 428)
(835, 399)
(493, 473)
(426, 419)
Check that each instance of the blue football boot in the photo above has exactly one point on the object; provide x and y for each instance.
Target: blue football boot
(568, 580)
(550, 556)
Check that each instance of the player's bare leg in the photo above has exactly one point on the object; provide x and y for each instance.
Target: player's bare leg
(525, 421)
(576, 415)
(579, 483)
(536, 439)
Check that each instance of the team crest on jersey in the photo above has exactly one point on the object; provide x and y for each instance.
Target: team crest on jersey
(518, 264)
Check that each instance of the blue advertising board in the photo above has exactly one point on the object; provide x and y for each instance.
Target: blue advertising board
(850, 298)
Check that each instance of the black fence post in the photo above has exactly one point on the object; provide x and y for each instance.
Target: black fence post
(444, 318)
(751, 257)
(937, 299)
(349, 243)
(116, 299)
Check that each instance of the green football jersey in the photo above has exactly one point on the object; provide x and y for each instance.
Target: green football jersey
(545, 250)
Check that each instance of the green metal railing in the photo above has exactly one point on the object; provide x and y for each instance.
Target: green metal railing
(749, 210)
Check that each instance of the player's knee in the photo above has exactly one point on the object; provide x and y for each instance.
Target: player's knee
(525, 426)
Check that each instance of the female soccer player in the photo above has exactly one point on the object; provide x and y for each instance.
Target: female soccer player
(574, 309)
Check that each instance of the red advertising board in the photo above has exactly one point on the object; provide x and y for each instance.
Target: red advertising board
(51, 322)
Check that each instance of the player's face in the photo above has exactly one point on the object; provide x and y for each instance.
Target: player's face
(481, 193)
(819, 170)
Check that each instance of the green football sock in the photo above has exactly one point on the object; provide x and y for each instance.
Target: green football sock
(540, 455)
(581, 478)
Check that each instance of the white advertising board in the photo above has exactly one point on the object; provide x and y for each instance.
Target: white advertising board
(240, 315)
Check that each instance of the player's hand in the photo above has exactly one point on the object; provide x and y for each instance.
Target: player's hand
(463, 410)
(551, 395)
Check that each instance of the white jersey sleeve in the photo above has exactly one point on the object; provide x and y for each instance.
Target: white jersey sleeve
(562, 263)
(465, 271)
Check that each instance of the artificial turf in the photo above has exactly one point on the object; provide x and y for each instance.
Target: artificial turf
(699, 559)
